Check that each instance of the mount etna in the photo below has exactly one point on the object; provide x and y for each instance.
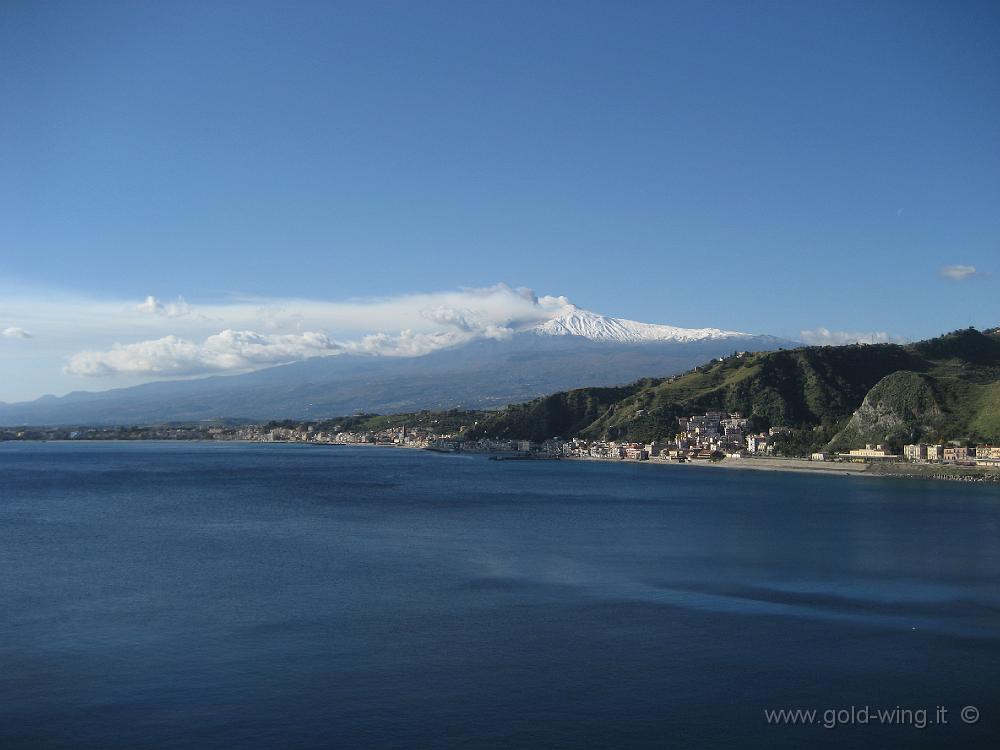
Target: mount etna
(574, 348)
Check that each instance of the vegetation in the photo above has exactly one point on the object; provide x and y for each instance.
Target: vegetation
(943, 389)
(559, 415)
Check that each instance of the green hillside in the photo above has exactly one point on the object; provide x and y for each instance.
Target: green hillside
(943, 388)
(559, 415)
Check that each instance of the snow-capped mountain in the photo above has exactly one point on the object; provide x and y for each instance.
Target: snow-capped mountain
(575, 321)
(571, 349)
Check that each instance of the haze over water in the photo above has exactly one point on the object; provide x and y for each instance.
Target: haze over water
(236, 595)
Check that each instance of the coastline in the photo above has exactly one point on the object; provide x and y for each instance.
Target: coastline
(792, 465)
(895, 470)
(939, 472)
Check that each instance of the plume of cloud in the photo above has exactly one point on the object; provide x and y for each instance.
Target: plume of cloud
(60, 316)
(826, 337)
(172, 339)
(468, 321)
(959, 272)
(15, 332)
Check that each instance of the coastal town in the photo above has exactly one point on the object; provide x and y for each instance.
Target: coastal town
(712, 436)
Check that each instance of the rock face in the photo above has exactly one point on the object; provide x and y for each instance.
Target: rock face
(902, 407)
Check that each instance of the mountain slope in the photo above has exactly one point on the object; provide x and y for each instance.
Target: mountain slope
(943, 387)
(485, 374)
(574, 321)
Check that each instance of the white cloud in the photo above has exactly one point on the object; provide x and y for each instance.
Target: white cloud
(91, 323)
(14, 332)
(824, 336)
(959, 273)
(405, 326)
(226, 351)
(468, 321)
(152, 306)
(239, 351)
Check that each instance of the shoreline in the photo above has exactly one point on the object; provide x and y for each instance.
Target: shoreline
(923, 472)
(790, 465)
(898, 470)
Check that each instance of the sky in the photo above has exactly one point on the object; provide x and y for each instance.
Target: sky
(396, 175)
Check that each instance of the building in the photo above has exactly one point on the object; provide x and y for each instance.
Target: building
(872, 453)
(757, 444)
(935, 453)
(988, 452)
(636, 453)
(988, 455)
(734, 420)
(917, 452)
(655, 448)
(959, 455)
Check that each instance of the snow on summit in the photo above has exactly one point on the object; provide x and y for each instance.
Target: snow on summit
(574, 321)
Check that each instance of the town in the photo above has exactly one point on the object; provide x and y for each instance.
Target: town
(710, 437)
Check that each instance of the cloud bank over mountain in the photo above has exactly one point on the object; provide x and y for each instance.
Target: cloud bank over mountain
(124, 341)
(225, 351)
(128, 341)
(293, 330)
(417, 325)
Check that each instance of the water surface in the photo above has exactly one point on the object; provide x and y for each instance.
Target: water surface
(164, 595)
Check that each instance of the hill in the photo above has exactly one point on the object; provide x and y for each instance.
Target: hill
(946, 388)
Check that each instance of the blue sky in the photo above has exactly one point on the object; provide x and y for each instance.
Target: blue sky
(772, 167)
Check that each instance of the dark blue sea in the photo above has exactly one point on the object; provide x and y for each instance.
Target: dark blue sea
(175, 595)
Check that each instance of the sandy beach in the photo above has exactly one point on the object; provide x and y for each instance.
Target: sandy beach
(845, 469)
(754, 464)
(785, 464)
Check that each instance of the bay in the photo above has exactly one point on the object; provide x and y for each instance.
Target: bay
(218, 595)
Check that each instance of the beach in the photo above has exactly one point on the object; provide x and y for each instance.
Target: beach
(785, 464)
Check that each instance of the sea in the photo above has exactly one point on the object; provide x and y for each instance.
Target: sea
(238, 595)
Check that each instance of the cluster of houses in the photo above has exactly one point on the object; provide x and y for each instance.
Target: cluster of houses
(401, 436)
(982, 455)
(709, 436)
(712, 435)
(924, 453)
